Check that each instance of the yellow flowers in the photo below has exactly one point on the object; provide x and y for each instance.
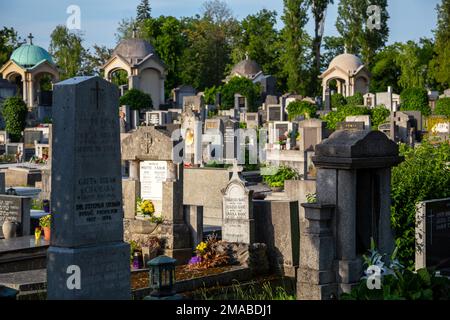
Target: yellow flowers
(145, 207)
(202, 246)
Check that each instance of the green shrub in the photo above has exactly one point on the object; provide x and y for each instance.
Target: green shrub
(210, 94)
(275, 176)
(342, 112)
(136, 100)
(408, 285)
(301, 108)
(422, 176)
(443, 107)
(15, 114)
(243, 86)
(356, 100)
(379, 115)
(415, 99)
(338, 100)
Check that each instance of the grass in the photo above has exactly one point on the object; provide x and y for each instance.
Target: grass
(251, 291)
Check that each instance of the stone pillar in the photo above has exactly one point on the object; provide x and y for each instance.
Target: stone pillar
(134, 170)
(316, 278)
(133, 82)
(346, 215)
(163, 94)
(385, 232)
(194, 220)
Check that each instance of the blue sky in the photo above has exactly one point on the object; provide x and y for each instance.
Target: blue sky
(410, 19)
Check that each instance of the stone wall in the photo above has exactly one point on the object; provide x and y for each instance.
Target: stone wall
(277, 225)
(202, 187)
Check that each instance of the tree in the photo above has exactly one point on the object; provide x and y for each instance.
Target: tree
(373, 39)
(441, 62)
(443, 107)
(295, 46)
(359, 37)
(318, 8)
(333, 46)
(136, 100)
(244, 87)
(166, 36)
(9, 41)
(424, 175)
(378, 116)
(385, 70)
(301, 108)
(143, 11)
(356, 100)
(67, 49)
(125, 29)
(14, 113)
(210, 38)
(415, 99)
(259, 39)
(332, 118)
(94, 61)
(413, 60)
(350, 22)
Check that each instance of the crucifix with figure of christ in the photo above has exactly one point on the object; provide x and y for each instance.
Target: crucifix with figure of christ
(97, 92)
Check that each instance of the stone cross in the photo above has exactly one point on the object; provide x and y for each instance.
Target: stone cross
(236, 169)
(97, 91)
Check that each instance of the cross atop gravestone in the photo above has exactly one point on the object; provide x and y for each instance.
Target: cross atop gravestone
(235, 169)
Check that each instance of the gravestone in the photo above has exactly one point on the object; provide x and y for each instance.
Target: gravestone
(212, 140)
(433, 235)
(87, 216)
(240, 103)
(350, 126)
(230, 139)
(238, 224)
(152, 176)
(364, 119)
(15, 209)
(252, 120)
(274, 113)
(30, 136)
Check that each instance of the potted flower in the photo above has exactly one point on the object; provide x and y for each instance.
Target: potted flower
(44, 222)
(145, 208)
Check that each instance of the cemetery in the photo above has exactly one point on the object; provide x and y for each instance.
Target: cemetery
(129, 182)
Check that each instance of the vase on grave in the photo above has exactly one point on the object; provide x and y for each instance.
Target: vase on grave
(9, 229)
(46, 233)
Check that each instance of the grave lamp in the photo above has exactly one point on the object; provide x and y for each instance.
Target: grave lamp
(162, 278)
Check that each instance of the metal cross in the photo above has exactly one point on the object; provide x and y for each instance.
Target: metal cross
(97, 91)
(30, 36)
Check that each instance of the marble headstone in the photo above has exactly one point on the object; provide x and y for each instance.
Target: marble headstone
(237, 224)
(87, 214)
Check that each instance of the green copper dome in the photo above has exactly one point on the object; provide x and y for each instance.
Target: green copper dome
(29, 55)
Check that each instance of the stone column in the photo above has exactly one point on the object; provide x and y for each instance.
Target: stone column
(316, 278)
(133, 82)
(385, 232)
(163, 94)
(346, 215)
(134, 170)
(194, 219)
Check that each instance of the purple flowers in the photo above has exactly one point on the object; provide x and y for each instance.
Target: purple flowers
(195, 260)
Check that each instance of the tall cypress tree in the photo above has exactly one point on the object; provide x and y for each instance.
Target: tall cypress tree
(143, 11)
(441, 63)
(352, 24)
(318, 9)
(295, 43)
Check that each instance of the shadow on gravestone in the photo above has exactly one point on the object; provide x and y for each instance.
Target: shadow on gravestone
(87, 258)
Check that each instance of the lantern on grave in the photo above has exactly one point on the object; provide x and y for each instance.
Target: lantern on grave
(162, 276)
